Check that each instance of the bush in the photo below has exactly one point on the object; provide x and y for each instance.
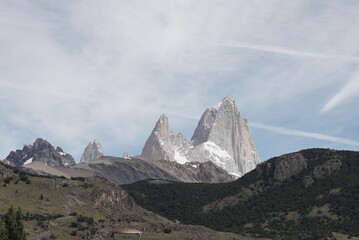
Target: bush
(73, 214)
(82, 179)
(8, 180)
(23, 178)
(74, 225)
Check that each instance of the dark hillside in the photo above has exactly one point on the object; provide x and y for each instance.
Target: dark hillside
(311, 194)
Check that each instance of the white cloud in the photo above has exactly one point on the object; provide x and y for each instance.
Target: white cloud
(73, 71)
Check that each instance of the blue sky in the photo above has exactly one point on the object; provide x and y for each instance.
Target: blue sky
(73, 71)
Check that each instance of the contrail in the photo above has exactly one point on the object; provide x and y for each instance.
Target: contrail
(350, 90)
(313, 135)
(280, 50)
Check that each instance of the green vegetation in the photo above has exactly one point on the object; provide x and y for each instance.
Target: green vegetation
(47, 203)
(286, 210)
(11, 226)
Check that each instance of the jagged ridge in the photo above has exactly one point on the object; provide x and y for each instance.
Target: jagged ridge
(40, 151)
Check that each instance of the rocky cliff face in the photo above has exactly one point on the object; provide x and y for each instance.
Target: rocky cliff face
(92, 152)
(40, 151)
(222, 137)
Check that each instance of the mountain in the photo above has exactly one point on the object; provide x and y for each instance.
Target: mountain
(59, 208)
(92, 152)
(129, 170)
(40, 151)
(310, 194)
(222, 137)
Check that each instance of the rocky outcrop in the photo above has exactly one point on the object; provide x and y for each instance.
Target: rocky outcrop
(222, 137)
(40, 151)
(327, 169)
(92, 152)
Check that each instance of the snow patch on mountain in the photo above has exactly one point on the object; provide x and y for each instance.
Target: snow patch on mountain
(28, 161)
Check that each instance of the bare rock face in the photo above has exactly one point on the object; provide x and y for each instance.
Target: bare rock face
(163, 144)
(40, 151)
(222, 137)
(92, 152)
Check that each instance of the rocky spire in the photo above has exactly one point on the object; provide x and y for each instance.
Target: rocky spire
(158, 145)
(40, 151)
(221, 136)
(92, 152)
(223, 126)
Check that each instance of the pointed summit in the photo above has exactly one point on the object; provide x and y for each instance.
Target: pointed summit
(163, 144)
(162, 126)
(223, 126)
(221, 136)
(215, 119)
(92, 152)
(227, 102)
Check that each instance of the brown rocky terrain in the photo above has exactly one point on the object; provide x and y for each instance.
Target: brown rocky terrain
(129, 170)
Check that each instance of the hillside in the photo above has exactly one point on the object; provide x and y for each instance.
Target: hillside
(86, 208)
(123, 171)
(311, 194)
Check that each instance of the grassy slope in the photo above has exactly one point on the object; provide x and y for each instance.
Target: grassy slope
(47, 200)
(48, 205)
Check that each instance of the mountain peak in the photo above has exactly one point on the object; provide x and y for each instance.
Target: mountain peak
(221, 136)
(227, 104)
(40, 151)
(162, 124)
(92, 152)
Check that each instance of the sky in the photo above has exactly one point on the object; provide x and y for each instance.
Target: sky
(73, 71)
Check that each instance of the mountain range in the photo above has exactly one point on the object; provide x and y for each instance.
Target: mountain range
(211, 187)
(220, 146)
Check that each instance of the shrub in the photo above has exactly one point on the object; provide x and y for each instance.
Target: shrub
(73, 214)
(74, 225)
(23, 178)
(8, 180)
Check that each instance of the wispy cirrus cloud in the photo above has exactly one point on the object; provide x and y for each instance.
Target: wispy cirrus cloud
(313, 135)
(280, 50)
(350, 89)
